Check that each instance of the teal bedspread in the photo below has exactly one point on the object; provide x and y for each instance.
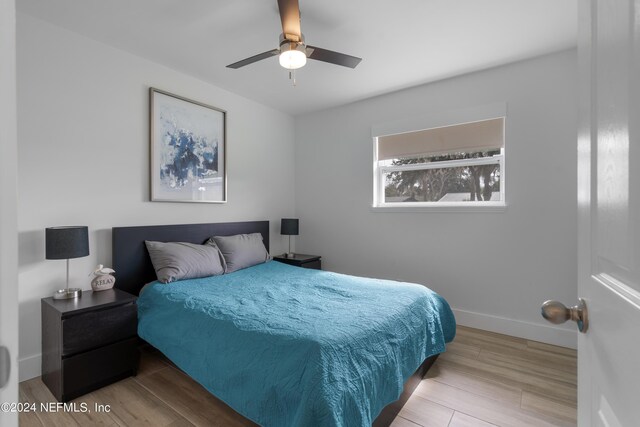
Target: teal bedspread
(287, 346)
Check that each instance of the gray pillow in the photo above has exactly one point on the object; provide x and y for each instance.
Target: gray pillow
(178, 260)
(241, 251)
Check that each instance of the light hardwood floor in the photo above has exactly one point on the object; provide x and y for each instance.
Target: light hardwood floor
(483, 379)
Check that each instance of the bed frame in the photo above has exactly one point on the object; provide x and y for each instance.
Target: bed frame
(134, 269)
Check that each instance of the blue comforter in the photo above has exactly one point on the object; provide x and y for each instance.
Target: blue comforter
(287, 346)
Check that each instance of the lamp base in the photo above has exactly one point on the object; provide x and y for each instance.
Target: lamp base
(68, 293)
(290, 255)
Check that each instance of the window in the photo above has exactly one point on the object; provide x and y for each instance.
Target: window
(447, 166)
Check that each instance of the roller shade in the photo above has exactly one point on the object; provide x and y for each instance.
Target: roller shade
(477, 136)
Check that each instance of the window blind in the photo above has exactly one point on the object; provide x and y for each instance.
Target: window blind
(476, 136)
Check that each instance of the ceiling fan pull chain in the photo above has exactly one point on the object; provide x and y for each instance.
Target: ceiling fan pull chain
(292, 77)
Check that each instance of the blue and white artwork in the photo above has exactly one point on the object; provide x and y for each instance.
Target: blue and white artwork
(187, 150)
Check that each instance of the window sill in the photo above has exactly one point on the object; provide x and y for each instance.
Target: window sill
(498, 207)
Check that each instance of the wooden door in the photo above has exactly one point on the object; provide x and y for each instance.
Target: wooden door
(8, 215)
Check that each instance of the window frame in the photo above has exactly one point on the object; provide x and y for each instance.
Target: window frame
(460, 117)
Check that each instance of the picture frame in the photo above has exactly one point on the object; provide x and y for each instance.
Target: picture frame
(187, 150)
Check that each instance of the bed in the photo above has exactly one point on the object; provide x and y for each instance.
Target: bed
(282, 345)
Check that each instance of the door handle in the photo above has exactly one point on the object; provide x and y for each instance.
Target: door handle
(5, 366)
(556, 312)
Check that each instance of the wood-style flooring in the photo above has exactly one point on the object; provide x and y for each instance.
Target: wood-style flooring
(483, 379)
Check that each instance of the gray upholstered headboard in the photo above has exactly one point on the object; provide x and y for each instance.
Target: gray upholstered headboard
(131, 259)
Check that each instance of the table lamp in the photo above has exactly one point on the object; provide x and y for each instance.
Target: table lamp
(289, 227)
(67, 243)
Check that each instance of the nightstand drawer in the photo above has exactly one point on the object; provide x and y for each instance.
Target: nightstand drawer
(97, 328)
(94, 369)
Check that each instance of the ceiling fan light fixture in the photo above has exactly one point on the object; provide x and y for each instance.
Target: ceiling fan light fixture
(292, 55)
(293, 51)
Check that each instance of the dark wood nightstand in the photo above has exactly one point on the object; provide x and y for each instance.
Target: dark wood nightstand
(301, 260)
(88, 342)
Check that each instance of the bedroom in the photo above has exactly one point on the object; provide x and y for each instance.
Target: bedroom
(83, 73)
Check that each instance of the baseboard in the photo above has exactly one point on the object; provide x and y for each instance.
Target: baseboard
(29, 367)
(564, 337)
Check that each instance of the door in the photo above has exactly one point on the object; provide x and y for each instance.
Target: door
(609, 212)
(8, 214)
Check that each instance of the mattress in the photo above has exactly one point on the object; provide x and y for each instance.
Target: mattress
(288, 346)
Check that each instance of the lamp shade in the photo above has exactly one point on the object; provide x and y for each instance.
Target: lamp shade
(66, 242)
(289, 226)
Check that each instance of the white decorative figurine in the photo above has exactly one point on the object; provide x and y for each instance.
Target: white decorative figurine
(103, 280)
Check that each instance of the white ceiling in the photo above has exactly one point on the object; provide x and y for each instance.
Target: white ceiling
(403, 43)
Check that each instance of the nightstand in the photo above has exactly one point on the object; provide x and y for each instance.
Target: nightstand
(300, 260)
(88, 342)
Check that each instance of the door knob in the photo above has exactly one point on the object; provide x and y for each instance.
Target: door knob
(556, 312)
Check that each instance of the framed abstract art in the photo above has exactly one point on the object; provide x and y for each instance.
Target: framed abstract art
(188, 150)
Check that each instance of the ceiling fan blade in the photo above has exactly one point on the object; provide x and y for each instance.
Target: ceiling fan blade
(255, 58)
(290, 17)
(332, 57)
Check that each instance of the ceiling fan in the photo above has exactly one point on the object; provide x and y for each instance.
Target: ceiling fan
(292, 50)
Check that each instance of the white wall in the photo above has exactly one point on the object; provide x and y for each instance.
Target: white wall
(494, 268)
(8, 199)
(84, 154)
